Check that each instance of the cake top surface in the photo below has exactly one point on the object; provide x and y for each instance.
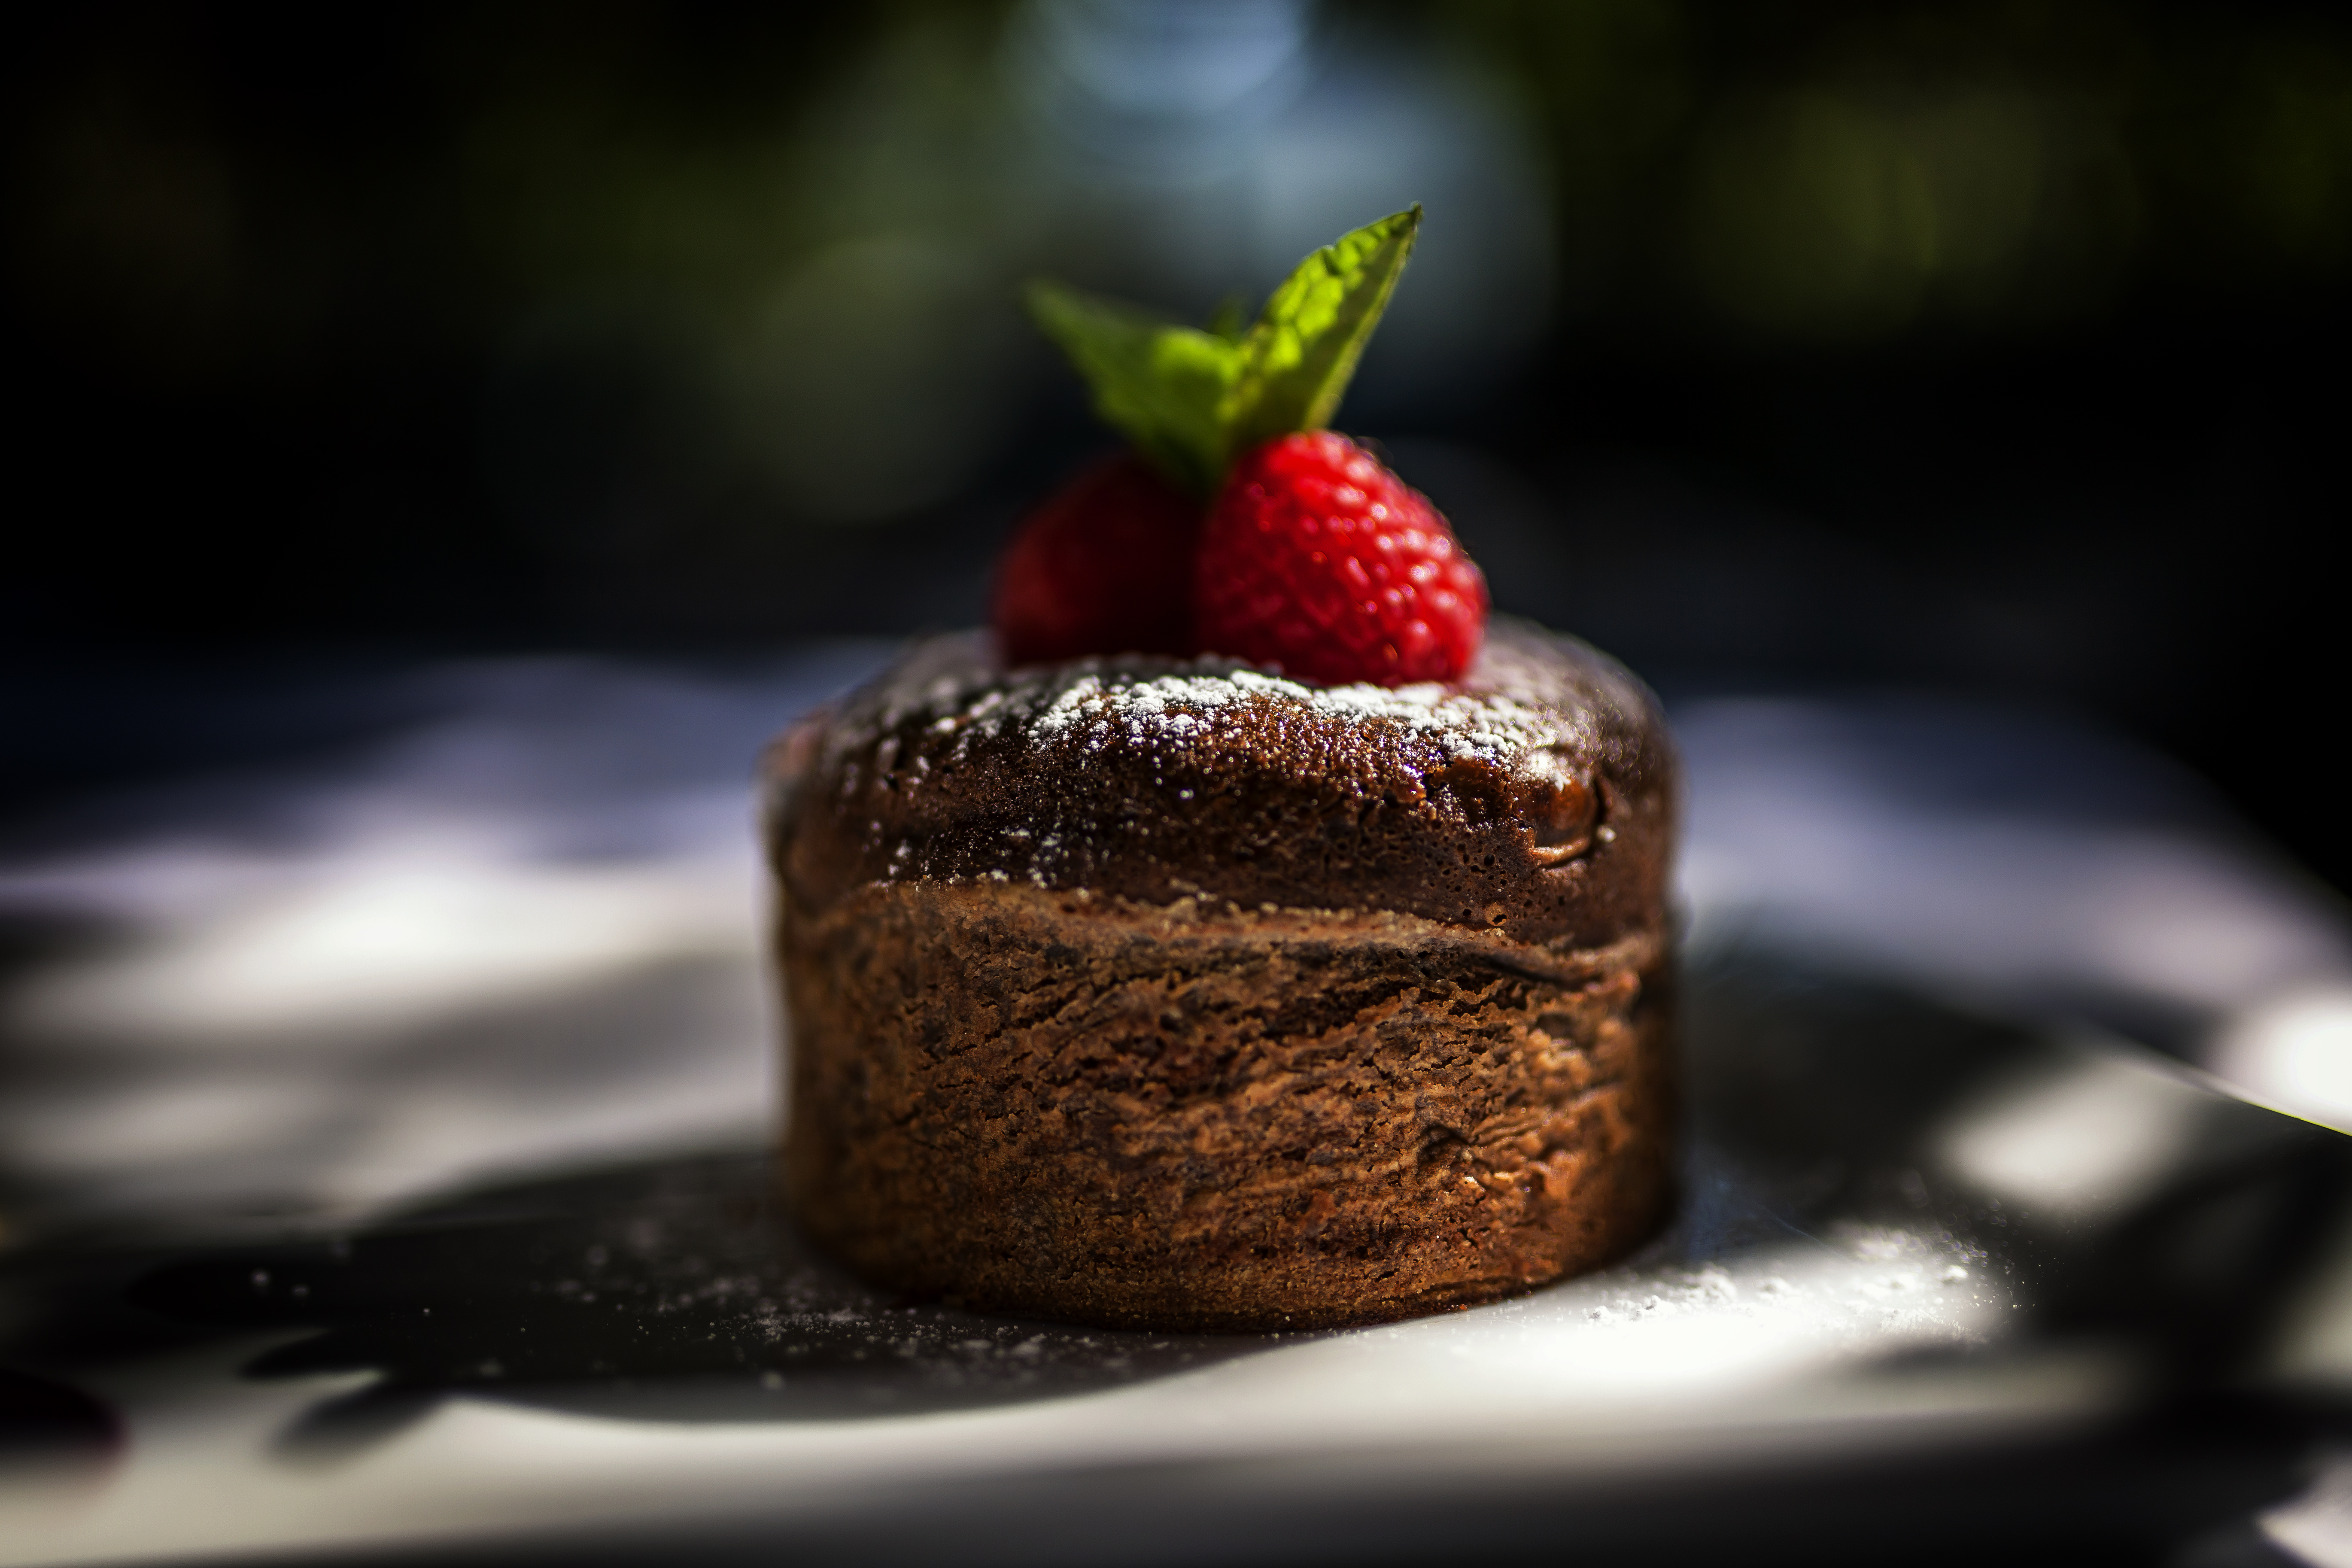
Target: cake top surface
(1537, 795)
(1520, 696)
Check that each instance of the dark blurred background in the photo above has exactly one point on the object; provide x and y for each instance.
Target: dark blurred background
(1995, 348)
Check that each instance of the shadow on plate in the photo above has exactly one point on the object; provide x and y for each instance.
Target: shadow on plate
(674, 1291)
(2122, 1201)
(2122, 1196)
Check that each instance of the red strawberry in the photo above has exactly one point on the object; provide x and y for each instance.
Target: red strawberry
(1318, 559)
(1104, 566)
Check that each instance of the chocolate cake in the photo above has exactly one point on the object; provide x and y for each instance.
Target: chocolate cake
(1171, 993)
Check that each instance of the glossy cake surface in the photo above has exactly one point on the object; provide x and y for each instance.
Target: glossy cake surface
(1174, 992)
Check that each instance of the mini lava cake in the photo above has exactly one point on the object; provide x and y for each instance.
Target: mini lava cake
(1174, 994)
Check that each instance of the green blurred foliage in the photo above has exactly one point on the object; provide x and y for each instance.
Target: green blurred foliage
(615, 155)
(1855, 174)
(803, 230)
(1800, 170)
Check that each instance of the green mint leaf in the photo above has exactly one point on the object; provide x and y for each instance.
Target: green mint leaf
(1192, 400)
(1160, 385)
(1297, 360)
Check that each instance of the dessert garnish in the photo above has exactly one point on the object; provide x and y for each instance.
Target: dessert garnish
(1318, 559)
(1238, 523)
(1103, 567)
(1249, 939)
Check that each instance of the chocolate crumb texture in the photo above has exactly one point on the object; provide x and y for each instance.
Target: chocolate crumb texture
(1173, 993)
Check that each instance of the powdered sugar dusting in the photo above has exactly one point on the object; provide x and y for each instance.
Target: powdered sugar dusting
(1154, 776)
(950, 687)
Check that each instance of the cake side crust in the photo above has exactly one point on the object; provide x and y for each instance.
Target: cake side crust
(1199, 1115)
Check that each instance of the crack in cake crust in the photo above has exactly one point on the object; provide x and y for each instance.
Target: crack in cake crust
(1202, 1115)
